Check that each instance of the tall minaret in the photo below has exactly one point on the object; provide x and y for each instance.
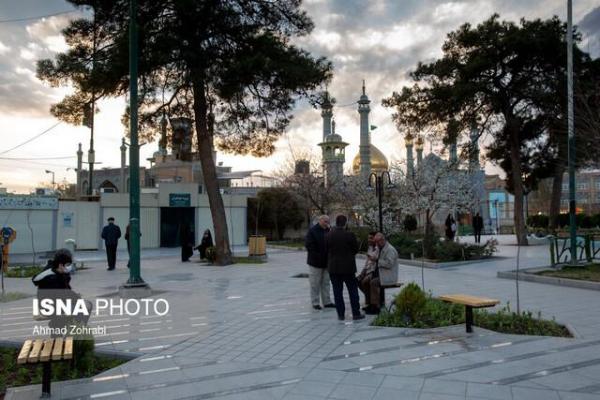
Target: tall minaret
(419, 147)
(327, 114)
(453, 153)
(334, 155)
(79, 170)
(123, 148)
(410, 161)
(365, 140)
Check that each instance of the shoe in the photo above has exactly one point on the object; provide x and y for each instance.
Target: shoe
(317, 307)
(358, 317)
(330, 305)
(110, 269)
(340, 318)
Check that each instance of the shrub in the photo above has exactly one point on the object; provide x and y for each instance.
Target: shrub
(409, 223)
(362, 233)
(525, 323)
(449, 250)
(405, 245)
(584, 221)
(538, 221)
(410, 302)
(596, 220)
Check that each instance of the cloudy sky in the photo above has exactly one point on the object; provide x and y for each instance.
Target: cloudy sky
(376, 40)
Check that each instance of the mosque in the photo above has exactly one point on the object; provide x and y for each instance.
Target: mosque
(370, 159)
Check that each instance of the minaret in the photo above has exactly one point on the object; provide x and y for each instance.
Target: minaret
(419, 148)
(123, 148)
(334, 155)
(365, 140)
(79, 169)
(327, 114)
(410, 161)
(474, 150)
(162, 144)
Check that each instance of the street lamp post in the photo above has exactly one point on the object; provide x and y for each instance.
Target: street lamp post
(51, 172)
(379, 191)
(135, 279)
(571, 135)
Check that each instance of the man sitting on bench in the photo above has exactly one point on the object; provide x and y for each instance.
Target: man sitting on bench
(368, 279)
(386, 272)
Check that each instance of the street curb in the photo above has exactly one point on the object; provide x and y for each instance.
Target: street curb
(529, 276)
(442, 265)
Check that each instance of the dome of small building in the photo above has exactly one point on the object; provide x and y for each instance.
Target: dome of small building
(378, 161)
(334, 137)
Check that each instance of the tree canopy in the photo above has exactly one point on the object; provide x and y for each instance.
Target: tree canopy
(227, 64)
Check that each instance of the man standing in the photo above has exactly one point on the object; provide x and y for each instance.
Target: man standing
(477, 227)
(318, 276)
(342, 247)
(368, 279)
(111, 234)
(387, 264)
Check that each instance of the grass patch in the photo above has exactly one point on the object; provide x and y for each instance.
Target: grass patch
(415, 309)
(582, 273)
(84, 365)
(12, 296)
(297, 244)
(247, 260)
(23, 271)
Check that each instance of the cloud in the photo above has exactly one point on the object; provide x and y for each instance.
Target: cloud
(590, 28)
(3, 49)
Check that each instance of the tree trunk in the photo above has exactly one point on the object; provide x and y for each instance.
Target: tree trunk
(515, 160)
(556, 196)
(209, 173)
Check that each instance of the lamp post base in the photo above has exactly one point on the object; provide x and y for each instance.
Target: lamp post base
(135, 290)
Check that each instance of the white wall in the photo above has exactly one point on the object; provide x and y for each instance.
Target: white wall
(84, 222)
(236, 223)
(41, 222)
(149, 225)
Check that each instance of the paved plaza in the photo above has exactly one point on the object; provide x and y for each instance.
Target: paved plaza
(249, 332)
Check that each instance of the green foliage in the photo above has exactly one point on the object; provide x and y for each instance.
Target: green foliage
(85, 364)
(410, 223)
(538, 221)
(406, 245)
(362, 234)
(278, 210)
(25, 271)
(414, 309)
(449, 250)
(410, 302)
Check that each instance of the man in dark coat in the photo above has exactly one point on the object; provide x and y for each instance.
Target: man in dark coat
(342, 247)
(477, 227)
(316, 259)
(111, 234)
(127, 239)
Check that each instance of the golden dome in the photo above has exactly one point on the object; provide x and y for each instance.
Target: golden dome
(378, 161)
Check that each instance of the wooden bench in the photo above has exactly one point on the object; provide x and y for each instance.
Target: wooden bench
(45, 351)
(470, 302)
(382, 291)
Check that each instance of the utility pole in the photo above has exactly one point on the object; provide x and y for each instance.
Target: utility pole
(91, 111)
(135, 279)
(571, 130)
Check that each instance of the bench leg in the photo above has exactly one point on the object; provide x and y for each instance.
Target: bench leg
(46, 379)
(469, 318)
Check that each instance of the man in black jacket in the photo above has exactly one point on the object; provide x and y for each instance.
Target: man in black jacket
(317, 263)
(111, 234)
(477, 227)
(342, 247)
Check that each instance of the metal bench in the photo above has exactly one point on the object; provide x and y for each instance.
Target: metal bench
(45, 351)
(470, 302)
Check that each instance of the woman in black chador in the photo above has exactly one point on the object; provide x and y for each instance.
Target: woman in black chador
(186, 236)
(205, 243)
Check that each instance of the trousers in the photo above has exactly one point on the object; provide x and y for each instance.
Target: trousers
(319, 285)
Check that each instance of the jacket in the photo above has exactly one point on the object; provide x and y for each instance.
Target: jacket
(477, 222)
(388, 264)
(111, 234)
(315, 244)
(342, 247)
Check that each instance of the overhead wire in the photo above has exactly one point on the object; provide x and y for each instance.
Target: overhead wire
(6, 21)
(31, 139)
